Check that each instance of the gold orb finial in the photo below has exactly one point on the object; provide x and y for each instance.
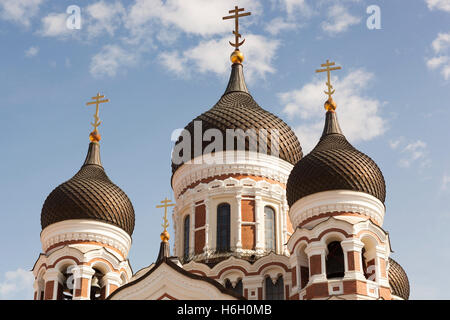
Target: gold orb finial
(330, 105)
(94, 136)
(165, 236)
(237, 56)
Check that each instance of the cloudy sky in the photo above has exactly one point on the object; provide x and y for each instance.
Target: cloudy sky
(161, 63)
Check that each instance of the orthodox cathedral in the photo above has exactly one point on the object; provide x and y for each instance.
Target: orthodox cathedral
(253, 219)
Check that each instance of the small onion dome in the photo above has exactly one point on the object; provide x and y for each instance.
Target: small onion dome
(236, 109)
(334, 164)
(398, 280)
(89, 195)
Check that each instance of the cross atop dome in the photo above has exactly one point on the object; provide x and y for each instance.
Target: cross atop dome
(95, 136)
(166, 203)
(330, 105)
(237, 56)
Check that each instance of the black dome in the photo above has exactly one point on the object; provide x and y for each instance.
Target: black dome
(237, 109)
(89, 195)
(334, 164)
(398, 280)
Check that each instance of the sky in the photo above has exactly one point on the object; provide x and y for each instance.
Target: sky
(162, 63)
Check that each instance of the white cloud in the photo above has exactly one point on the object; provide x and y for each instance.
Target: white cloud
(359, 116)
(54, 25)
(413, 152)
(443, 5)
(441, 43)
(199, 17)
(32, 51)
(110, 59)
(214, 57)
(293, 6)
(19, 11)
(104, 17)
(17, 284)
(394, 144)
(277, 25)
(441, 48)
(339, 20)
(445, 182)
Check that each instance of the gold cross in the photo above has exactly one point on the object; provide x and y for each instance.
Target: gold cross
(328, 70)
(236, 17)
(166, 203)
(97, 101)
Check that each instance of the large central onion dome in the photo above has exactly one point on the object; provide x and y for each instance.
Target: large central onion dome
(334, 164)
(89, 195)
(237, 109)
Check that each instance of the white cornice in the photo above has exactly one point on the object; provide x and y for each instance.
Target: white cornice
(86, 230)
(337, 201)
(247, 163)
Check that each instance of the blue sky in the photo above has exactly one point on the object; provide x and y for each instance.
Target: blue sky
(161, 63)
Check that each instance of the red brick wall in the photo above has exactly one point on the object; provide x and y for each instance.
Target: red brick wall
(316, 264)
(49, 290)
(199, 241)
(317, 290)
(294, 276)
(248, 210)
(248, 237)
(200, 216)
(353, 259)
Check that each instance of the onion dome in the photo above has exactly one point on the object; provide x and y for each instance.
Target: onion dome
(398, 280)
(334, 164)
(237, 109)
(89, 195)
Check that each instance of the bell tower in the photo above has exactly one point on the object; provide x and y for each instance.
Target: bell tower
(87, 223)
(336, 196)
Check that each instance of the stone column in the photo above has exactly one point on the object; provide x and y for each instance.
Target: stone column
(238, 220)
(380, 266)
(259, 225)
(284, 239)
(54, 280)
(109, 283)
(352, 258)
(210, 242)
(82, 275)
(253, 285)
(317, 252)
(192, 231)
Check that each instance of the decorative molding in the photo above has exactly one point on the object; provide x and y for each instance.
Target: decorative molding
(246, 163)
(86, 230)
(337, 201)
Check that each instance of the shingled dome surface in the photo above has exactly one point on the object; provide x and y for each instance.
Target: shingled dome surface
(334, 164)
(90, 194)
(237, 109)
(398, 280)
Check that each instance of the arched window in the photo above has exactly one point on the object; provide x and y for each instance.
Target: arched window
(238, 288)
(223, 227)
(335, 261)
(274, 291)
(187, 225)
(269, 225)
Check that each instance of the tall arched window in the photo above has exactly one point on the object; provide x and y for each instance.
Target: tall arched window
(238, 288)
(335, 261)
(269, 225)
(223, 227)
(187, 224)
(274, 291)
